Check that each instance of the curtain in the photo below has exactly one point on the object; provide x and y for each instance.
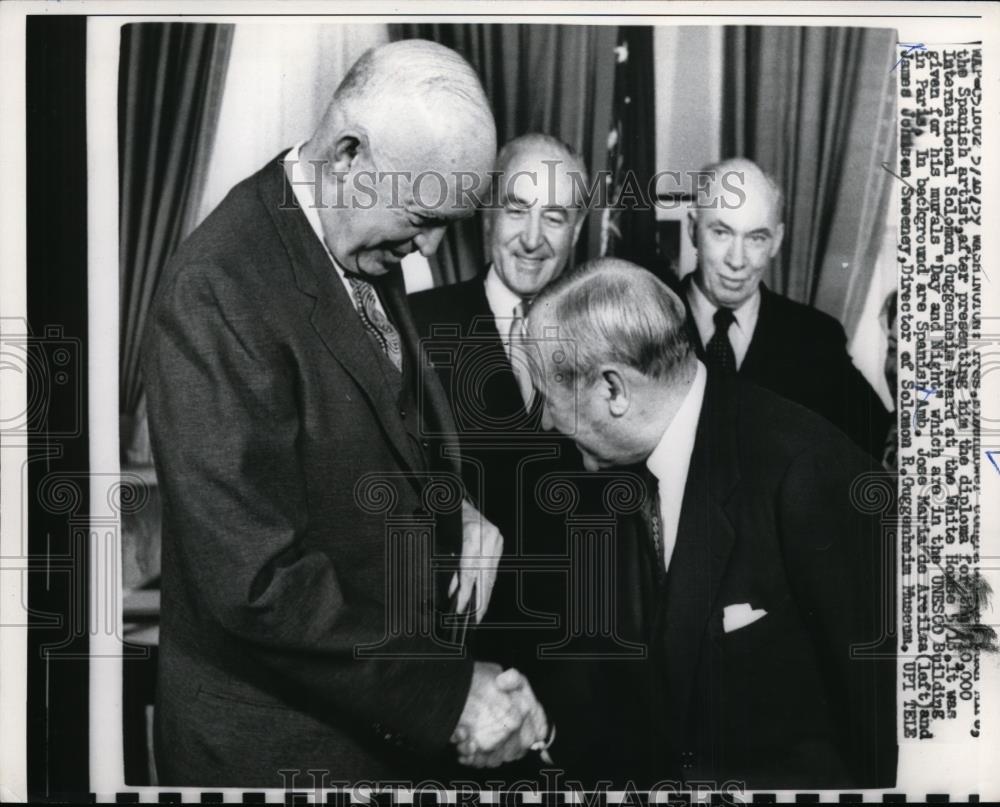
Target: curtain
(280, 80)
(815, 107)
(169, 88)
(556, 79)
(630, 231)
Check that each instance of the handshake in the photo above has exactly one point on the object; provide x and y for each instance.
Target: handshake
(502, 720)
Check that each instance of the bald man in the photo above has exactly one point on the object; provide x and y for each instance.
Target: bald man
(758, 587)
(296, 442)
(743, 327)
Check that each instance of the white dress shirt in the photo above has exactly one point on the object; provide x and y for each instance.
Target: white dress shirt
(671, 459)
(505, 306)
(302, 187)
(502, 303)
(744, 322)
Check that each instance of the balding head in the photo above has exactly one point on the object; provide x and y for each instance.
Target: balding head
(737, 230)
(538, 146)
(725, 183)
(404, 148)
(388, 84)
(612, 310)
(613, 359)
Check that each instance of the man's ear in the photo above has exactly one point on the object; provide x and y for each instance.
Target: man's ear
(615, 390)
(693, 227)
(779, 234)
(346, 150)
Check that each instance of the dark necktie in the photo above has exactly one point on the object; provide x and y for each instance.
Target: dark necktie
(375, 322)
(651, 517)
(719, 350)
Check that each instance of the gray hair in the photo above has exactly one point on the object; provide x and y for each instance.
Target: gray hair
(612, 310)
(415, 68)
(540, 141)
(743, 166)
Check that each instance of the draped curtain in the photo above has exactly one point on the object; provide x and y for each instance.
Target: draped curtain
(279, 82)
(815, 107)
(556, 79)
(170, 85)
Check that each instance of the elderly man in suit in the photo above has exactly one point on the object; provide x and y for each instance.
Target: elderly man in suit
(751, 577)
(741, 326)
(308, 479)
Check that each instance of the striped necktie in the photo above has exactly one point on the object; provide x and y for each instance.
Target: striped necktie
(376, 322)
(520, 357)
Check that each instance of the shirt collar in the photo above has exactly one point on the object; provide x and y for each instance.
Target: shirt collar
(676, 445)
(303, 187)
(501, 299)
(703, 310)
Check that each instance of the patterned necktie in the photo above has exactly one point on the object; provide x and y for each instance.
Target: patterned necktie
(719, 350)
(376, 322)
(651, 516)
(518, 355)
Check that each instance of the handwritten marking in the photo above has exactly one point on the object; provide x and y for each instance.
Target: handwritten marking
(908, 51)
(931, 392)
(992, 459)
(887, 168)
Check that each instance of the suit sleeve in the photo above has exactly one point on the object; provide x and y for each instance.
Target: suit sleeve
(841, 566)
(864, 418)
(225, 425)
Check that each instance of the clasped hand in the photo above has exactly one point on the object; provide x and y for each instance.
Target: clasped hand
(501, 720)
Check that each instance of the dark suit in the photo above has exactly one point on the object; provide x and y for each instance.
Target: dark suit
(767, 519)
(801, 353)
(283, 439)
(508, 463)
(504, 453)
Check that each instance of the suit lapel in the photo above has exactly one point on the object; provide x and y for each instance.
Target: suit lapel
(705, 538)
(333, 316)
(761, 335)
(692, 327)
(434, 410)
(506, 393)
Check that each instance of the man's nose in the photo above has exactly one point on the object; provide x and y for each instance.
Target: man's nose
(428, 240)
(736, 256)
(531, 235)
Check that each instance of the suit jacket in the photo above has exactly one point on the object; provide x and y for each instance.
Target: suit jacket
(515, 471)
(801, 353)
(505, 455)
(294, 463)
(800, 698)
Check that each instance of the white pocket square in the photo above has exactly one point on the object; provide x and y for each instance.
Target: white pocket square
(739, 616)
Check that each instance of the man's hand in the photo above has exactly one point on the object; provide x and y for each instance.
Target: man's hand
(501, 721)
(482, 546)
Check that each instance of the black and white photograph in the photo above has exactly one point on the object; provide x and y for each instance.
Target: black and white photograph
(458, 398)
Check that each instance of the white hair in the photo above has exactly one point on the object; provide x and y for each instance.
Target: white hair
(613, 311)
(408, 69)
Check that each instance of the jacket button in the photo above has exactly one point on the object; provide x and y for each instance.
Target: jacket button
(402, 412)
